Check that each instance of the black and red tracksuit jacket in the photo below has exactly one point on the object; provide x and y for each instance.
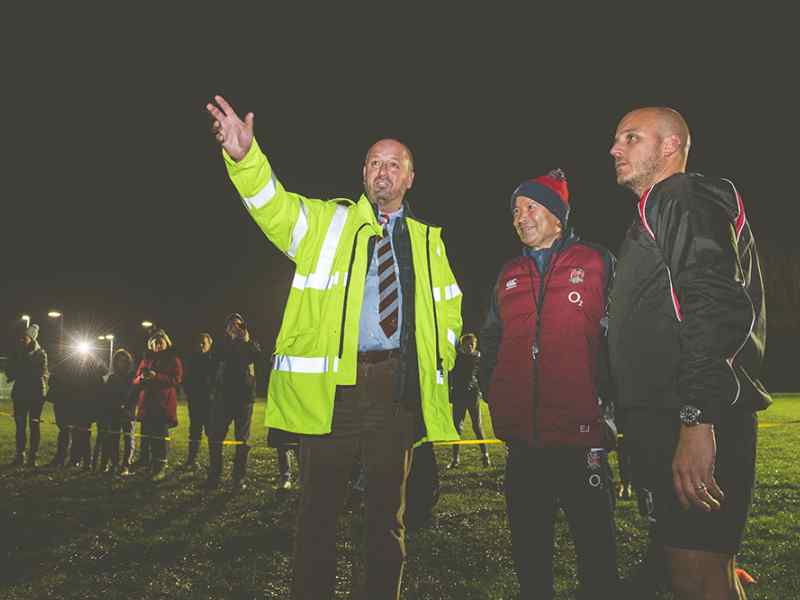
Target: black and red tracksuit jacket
(687, 321)
(543, 348)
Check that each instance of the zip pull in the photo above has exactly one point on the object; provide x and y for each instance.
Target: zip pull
(535, 350)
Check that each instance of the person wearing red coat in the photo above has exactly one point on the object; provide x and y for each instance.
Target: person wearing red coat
(545, 366)
(159, 374)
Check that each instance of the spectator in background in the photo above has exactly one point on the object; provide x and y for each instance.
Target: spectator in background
(158, 376)
(286, 445)
(28, 370)
(74, 393)
(116, 414)
(198, 384)
(234, 395)
(465, 394)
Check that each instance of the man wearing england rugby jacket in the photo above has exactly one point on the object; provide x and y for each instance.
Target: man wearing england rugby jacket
(545, 366)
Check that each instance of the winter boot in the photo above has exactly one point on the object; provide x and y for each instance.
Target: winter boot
(455, 462)
(159, 470)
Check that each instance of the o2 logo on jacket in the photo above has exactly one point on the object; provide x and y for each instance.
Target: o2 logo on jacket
(511, 283)
(575, 298)
(576, 276)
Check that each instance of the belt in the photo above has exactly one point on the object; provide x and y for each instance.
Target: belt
(377, 356)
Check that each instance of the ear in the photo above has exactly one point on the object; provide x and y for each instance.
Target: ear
(410, 180)
(671, 145)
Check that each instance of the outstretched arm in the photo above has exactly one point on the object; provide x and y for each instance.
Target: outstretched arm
(285, 217)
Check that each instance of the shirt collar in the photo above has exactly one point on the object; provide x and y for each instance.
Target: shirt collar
(392, 216)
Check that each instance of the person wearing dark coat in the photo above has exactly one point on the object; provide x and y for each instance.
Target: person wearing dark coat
(687, 334)
(28, 370)
(74, 394)
(158, 376)
(286, 445)
(234, 395)
(115, 415)
(198, 383)
(466, 395)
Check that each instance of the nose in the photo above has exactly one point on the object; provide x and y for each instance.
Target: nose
(615, 150)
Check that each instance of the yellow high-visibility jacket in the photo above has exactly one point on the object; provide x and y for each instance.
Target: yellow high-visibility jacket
(317, 345)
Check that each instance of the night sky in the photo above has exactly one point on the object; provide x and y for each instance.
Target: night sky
(117, 207)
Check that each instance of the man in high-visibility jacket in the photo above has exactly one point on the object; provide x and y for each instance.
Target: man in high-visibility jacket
(362, 356)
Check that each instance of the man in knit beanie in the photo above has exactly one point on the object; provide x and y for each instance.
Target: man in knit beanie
(543, 375)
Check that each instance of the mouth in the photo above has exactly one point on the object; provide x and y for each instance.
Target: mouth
(620, 164)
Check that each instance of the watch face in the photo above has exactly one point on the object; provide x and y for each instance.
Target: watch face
(690, 415)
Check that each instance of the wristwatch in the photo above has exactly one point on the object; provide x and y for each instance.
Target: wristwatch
(690, 415)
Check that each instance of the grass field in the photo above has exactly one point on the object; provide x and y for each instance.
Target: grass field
(73, 534)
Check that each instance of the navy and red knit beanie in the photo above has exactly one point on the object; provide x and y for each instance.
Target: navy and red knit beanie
(550, 191)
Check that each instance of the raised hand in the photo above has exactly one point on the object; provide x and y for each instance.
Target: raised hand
(235, 135)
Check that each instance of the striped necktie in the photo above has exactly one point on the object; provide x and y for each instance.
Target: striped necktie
(387, 278)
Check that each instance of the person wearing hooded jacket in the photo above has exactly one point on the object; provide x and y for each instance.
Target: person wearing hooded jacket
(115, 414)
(545, 366)
(28, 370)
(235, 358)
(158, 376)
(362, 357)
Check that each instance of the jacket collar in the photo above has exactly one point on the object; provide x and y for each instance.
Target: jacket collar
(369, 213)
(560, 244)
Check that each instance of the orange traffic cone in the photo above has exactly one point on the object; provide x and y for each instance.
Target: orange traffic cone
(744, 576)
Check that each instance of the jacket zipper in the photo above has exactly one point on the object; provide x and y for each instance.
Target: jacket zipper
(433, 303)
(535, 350)
(347, 287)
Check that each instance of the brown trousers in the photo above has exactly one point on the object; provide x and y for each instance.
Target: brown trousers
(366, 419)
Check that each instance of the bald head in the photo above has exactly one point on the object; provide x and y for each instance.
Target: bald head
(388, 174)
(395, 143)
(669, 123)
(650, 144)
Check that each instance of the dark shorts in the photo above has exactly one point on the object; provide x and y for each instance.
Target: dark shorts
(651, 441)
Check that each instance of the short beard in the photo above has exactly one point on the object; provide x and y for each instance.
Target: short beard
(644, 178)
(377, 198)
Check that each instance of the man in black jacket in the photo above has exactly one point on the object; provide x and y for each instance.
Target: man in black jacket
(28, 370)
(233, 398)
(686, 334)
(198, 382)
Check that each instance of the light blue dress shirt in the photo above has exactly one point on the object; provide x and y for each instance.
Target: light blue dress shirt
(371, 336)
